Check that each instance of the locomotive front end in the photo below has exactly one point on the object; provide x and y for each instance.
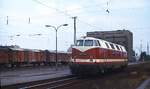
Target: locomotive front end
(84, 56)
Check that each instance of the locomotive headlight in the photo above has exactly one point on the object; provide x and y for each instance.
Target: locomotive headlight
(73, 60)
(91, 60)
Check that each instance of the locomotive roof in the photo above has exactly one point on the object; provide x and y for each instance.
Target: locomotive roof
(104, 41)
(85, 37)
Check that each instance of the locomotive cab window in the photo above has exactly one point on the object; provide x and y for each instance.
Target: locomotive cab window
(88, 43)
(79, 42)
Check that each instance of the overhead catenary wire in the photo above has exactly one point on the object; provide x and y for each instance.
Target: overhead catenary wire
(62, 12)
(68, 15)
(52, 8)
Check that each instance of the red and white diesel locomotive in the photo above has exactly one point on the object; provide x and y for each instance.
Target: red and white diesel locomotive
(92, 55)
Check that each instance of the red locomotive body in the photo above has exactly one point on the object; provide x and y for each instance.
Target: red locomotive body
(96, 55)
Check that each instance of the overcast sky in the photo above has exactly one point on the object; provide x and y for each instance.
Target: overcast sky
(133, 15)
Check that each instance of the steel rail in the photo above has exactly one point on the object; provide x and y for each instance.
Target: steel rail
(60, 85)
(52, 82)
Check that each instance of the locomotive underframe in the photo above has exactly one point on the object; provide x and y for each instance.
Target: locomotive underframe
(95, 68)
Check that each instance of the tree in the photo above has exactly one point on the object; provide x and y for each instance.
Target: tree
(144, 57)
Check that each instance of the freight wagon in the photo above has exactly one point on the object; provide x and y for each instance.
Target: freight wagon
(11, 56)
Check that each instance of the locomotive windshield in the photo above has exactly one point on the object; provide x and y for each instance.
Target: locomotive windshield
(84, 42)
(88, 43)
(79, 42)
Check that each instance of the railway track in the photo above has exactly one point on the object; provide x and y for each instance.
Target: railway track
(67, 82)
(52, 84)
(134, 72)
(44, 84)
(130, 78)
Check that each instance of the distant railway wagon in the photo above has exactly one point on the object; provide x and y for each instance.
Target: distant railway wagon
(64, 57)
(19, 56)
(5, 55)
(92, 55)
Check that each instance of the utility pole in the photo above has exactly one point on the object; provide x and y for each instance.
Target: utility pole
(29, 21)
(7, 20)
(141, 51)
(141, 47)
(147, 48)
(74, 29)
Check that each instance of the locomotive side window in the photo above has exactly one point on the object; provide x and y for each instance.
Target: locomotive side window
(88, 43)
(107, 45)
(96, 43)
(79, 42)
(121, 48)
(112, 46)
(117, 47)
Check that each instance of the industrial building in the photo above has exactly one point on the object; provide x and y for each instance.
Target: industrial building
(122, 37)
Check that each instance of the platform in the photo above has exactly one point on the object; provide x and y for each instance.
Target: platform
(22, 75)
